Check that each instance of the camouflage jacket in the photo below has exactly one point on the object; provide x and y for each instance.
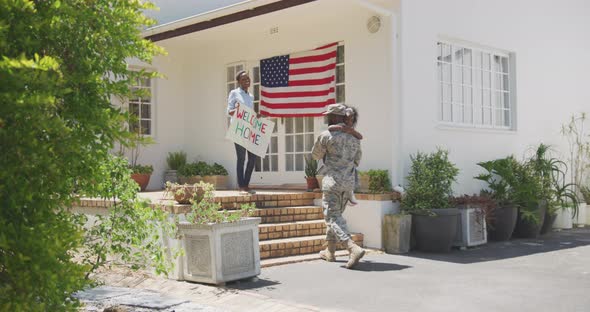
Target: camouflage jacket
(341, 153)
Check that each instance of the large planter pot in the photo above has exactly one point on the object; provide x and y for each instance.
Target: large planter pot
(220, 182)
(397, 230)
(471, 228)
(363, 184)
(580, 219)
(435, 233)
(504, 220)
(189, 180)
(527, 228)
(221, 252)
(186, 194)
(143, 179)
(548, 222)
(312, 183)
(563, 219)
(170, 176)
(588, 213)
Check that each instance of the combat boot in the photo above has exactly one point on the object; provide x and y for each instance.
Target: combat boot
(356, 253)
(329, 254)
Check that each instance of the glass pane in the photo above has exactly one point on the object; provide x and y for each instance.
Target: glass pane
(340, 76)
(467, 75)
(457, 55)
(446, 72)
(446, 112)
(146, 95)
(146, 111)
(298, 125)
(289, 144)
(340, 94)
(299, 143)
(477, 60)
(467, 95)
(340, 54)
(299, 162)
(289, 125)
(276, 121)
(487, 98)
(499, 115)
(467, 117)
(239, 68)
(308, 142)
(274, 164)
(486, 82)
(457, 94)
(476, 78)
(256, 92)
(457, 74)
(457, 113)
(230, 74)
(256, 74)
(439, 50)
(446, 50)
(506, 100)
(230, 86)
(485, 61)
(504, 64)
(477, 94)
(467, 57)
(477, 117)
(134, 109)
(274, 146)
(258, 164)
(487, 116)
(497, 67)
(309, 124)
(266, 164)
(134, 126)
(446, 92)
(498, 100)
(505, 82)
(146, 127)
(289, 165)
(507, 118)
(146, 82)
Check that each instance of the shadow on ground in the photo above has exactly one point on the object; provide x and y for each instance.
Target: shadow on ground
(252, 283)
(513, 248)
(371, 266)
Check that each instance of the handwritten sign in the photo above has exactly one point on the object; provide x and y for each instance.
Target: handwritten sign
(249, 131)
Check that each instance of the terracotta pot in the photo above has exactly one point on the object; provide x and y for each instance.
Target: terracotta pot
(186, 194)
(143, 179)
(312, 183)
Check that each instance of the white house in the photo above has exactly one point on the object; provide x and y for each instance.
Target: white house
(481, 78)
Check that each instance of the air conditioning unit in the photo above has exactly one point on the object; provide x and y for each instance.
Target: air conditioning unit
(471, 228)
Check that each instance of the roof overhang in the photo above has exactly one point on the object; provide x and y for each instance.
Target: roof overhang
(223, 16)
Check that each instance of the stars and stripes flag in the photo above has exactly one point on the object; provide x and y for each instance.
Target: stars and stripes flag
(300, 84)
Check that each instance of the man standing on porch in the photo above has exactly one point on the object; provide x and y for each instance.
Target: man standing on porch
(341, 154)
(241, 96)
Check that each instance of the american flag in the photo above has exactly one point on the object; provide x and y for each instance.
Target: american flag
(300, 84)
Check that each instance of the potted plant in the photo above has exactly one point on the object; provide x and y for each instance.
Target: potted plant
(192, 173)
(175, 161)
(219, 245)
(579, 159)
(141, 174)
(374, 181)
(216, 175)
(585, 189)
(434, 222)
(502, 219)
(311, 170)
(185, 194)
(471, 226)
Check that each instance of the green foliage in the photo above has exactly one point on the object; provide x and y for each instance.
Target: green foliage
(586, 193)
(146, 169)
(185, 193)
(311, 167)
(61, 62)
(176, 160)
(429, 182)
(131, 231)
(201, 168)
(579, 149)
(218, 169)
(378, 181)
(208, 211)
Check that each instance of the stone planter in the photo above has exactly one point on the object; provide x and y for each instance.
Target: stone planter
(435, 233)
(581, 217)
(219, 182)
(504, 221)
(170, 176)
(219, 253)
(527, 228)
(563, 220)
(397, 230)
(189, 180)
(471, 228)
(363, 186)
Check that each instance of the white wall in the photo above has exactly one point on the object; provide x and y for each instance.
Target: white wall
(192, 100)
(550, 40)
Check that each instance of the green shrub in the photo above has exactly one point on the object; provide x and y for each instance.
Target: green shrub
(199, 168)
(218, 169)
(378, 181)
(142, 169)
(430, 182)
(175, 160)
(207, 210)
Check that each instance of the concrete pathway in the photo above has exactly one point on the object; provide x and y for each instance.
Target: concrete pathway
(547, 274)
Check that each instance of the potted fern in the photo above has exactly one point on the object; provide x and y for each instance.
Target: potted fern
(311, 170)
(427, 198)
(175, 161)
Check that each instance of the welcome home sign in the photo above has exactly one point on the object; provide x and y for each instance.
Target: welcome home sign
(249, 131)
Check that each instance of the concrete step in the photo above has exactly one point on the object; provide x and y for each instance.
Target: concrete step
(289, 214)
(298, 245)
(291, 229)
(341, 256)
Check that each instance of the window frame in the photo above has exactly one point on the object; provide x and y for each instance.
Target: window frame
(152, 103)
(446, 84)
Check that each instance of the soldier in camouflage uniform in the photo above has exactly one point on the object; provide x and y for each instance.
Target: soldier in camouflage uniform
(341, 153)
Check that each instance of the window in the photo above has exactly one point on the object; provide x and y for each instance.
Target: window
(141, 107)
(474, 86)
(340, 77)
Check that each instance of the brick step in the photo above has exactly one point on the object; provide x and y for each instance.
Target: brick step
(268, 200)
(297, 246)
(291, 229)
(289, 214)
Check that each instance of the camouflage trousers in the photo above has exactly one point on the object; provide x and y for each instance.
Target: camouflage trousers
(334, 204)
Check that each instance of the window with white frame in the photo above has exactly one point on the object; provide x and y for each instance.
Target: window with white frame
(141, 107)
(474, 86)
